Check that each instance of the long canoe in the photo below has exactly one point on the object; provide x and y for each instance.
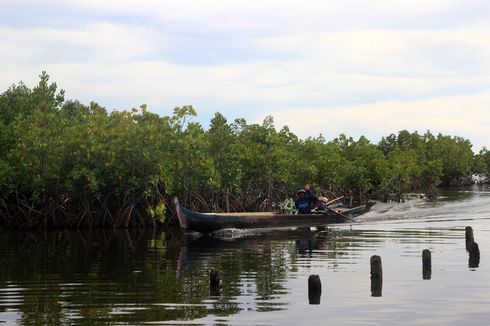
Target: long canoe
(209, 222)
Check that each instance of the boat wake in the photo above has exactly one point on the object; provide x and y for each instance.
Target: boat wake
(233, 234)
(424, 209)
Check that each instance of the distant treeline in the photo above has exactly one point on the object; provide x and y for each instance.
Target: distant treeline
(66, 164)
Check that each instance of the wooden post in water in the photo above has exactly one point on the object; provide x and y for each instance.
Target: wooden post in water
(472, 248)
(469, 235)
(474, 251)
(426, 264)
(214, 282)
(314, 289)
(376, 276)
(376, 268)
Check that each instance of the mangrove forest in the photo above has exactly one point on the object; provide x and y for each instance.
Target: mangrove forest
(68, 164)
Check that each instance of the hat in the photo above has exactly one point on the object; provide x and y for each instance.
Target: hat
(301, 190)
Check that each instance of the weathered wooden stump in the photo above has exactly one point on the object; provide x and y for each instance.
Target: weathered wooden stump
(376, 286)
(376, 276)
(474, 253)
(214, 281)
(314, 289)
(469, 236)
(426, 264)
(472, 248)
(376, 268)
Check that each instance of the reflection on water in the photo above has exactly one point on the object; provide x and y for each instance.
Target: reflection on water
(118, 277)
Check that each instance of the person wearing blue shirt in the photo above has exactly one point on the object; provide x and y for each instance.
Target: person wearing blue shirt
(304, 202)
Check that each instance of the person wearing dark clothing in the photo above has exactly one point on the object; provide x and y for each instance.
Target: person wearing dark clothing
(303, 203)
(308, 191)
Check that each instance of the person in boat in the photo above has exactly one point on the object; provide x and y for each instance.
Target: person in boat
(318, 204)
(308, 191)
(304, 202)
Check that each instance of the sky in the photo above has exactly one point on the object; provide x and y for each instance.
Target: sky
(358, 67)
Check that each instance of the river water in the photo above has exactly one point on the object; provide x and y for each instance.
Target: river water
(146, 277)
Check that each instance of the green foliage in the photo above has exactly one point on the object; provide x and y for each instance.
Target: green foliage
(365, 165)
(402, 170)
(158, 212)
(481, 163)
(15, 101)
(456, 157)
(222, 142)
(66, 163)
(33, 145)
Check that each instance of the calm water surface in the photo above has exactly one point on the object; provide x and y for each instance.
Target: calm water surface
(142, 277)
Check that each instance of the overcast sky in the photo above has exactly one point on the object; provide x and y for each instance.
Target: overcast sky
(371, 67)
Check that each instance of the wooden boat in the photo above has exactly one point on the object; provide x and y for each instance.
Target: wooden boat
(209, 222)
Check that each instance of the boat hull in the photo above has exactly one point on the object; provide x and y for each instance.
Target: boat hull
(209, 222)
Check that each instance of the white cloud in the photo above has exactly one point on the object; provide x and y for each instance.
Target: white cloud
(286, 15)
(95, 42)
(365, 58)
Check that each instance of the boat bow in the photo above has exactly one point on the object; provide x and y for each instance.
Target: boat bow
(181, 215)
